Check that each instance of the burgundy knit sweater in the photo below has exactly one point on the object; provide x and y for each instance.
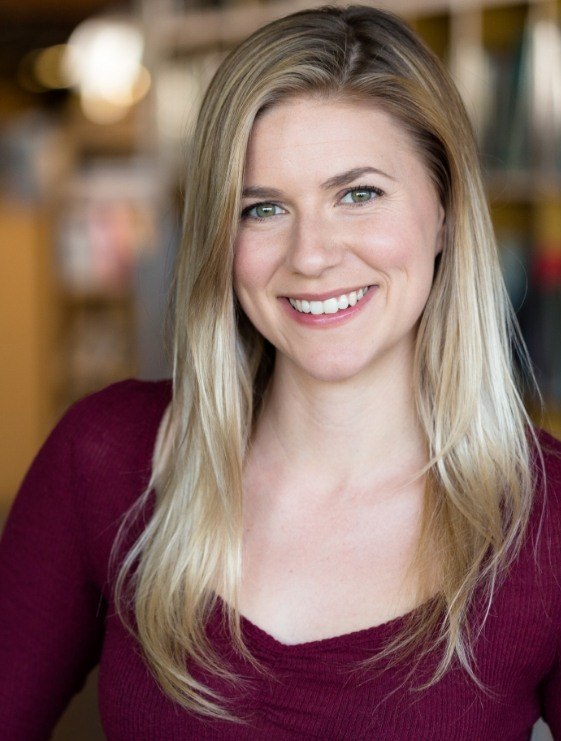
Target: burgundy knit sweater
(57, 618)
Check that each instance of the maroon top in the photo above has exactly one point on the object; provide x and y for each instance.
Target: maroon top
(57, 618)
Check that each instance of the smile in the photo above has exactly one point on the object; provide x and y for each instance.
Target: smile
(330, 305)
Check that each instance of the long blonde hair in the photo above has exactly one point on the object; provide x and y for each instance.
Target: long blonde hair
(479, 490)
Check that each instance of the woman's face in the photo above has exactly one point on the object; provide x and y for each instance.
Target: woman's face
(340, 227)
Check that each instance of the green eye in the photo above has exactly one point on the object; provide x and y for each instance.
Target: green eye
(262, 211)
(265, 209)
(360, 195)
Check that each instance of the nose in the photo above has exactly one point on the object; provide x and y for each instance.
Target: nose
(314, 246)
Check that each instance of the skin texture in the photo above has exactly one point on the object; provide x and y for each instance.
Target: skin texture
(331, 502)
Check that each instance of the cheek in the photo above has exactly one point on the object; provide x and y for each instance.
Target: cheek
(252, 274)
(421, 278)
(258, 257)
(389, 248)
(404, 258)
(251, 278)
(238, 271)
(245, 271)
(412, 246)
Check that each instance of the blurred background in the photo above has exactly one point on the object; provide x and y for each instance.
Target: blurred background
(96, 101)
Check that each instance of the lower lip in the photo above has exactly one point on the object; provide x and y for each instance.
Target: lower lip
(328, 320)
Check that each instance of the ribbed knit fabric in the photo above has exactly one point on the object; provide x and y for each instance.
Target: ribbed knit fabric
(57, 618)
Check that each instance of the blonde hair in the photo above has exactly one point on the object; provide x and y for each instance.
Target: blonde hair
(480, 482)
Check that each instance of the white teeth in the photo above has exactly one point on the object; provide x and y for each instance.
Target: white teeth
(330, 305)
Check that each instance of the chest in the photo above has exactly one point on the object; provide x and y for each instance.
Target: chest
(313, 573)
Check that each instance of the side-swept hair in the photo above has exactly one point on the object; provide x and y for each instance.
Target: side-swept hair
(479, 478)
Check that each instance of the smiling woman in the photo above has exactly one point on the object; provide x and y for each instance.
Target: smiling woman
(351, 226)
(337, 521)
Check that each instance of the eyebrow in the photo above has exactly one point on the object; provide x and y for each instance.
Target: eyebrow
(337, 181)
(254, 191)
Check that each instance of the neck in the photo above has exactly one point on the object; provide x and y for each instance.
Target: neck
(336, 433)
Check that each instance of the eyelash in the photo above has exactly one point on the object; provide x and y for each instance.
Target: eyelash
(354, 189)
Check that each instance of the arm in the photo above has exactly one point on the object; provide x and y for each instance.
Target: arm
(51, 612)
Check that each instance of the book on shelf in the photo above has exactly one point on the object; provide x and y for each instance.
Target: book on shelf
(521, 122)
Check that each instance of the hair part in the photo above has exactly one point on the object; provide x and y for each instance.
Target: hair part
(479, 475)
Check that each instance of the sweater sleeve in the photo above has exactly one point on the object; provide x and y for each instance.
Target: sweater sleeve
(51, 611)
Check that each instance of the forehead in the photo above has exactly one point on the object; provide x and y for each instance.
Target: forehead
(324, 134)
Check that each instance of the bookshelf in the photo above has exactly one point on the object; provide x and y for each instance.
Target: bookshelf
(102, 195)
(105, 217)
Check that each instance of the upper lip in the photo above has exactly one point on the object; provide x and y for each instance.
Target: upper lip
(326, 294)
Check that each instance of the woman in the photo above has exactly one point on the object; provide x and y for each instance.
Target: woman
(350, 537)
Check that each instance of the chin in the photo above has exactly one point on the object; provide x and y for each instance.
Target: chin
(333, 370)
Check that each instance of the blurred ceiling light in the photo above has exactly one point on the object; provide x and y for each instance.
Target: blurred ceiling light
(42, 69)
(103, 61)
(49, 69)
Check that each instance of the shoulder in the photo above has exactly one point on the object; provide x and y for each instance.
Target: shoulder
(533, 577)
(547, 471)
(97, 436)
(112, 431)
(541, 553)
(110, 437)
(126, 406)
(114, 425)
